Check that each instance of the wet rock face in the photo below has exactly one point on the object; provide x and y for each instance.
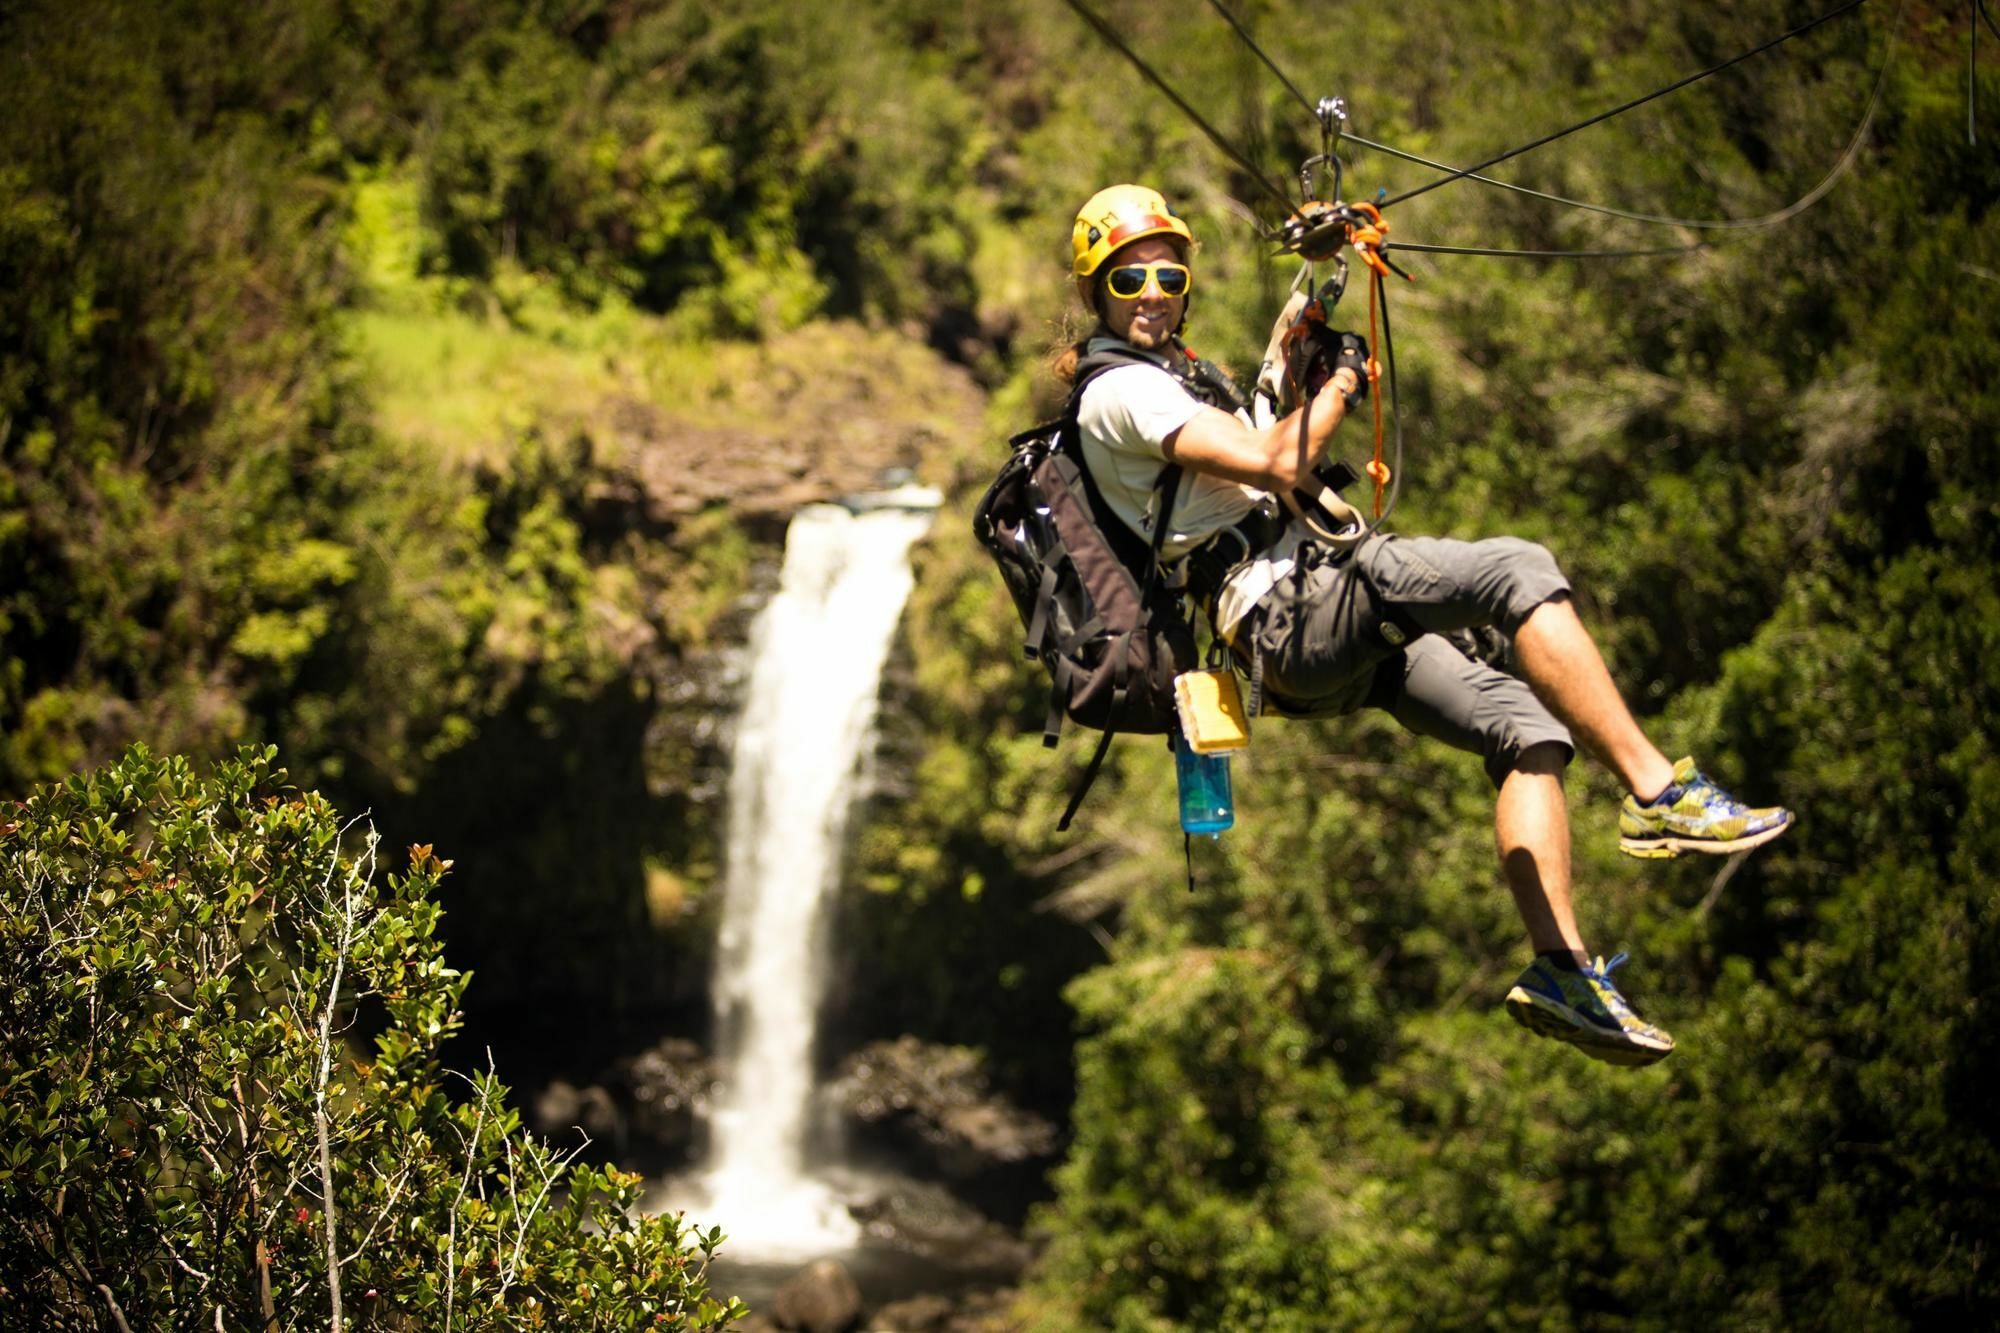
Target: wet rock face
(565, 1113)
(799, 417)
(930, 1106)
(940, 1094)
(970, 1312)
(927, 1220)
(665, 1089)
(821, 1299)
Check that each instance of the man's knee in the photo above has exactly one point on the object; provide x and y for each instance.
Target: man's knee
(1546, 756)
(1528, 577)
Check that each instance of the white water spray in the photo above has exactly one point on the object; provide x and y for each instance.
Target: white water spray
(817, 652)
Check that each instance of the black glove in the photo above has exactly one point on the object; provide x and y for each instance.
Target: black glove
(1323, 351)
(1353, 355)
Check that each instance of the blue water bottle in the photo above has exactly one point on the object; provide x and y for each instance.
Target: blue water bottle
(1204, 780)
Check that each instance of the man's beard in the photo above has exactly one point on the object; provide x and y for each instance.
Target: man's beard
(1145, 341)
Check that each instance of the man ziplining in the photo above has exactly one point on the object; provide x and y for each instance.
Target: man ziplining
(1330, 626)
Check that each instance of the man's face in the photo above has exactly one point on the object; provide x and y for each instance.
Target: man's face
(1148, 320)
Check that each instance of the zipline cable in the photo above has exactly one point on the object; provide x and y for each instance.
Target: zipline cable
(1621, 109)
(1634, 253)
(1980, 5)
(1105, 31)
(1269, 63)
(1771, 219)
(1840, 168)
(1307, 103)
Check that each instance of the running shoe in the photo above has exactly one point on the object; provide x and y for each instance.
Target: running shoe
(1695, 815)
(1585, 1009)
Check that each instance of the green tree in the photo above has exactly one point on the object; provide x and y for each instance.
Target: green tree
(187, 1132)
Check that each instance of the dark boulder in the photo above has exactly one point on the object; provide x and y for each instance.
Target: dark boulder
(565, 1114)
(963, 1312)
(926, 1219)
(930, 1107)
(665, 1091)
(821, 1299)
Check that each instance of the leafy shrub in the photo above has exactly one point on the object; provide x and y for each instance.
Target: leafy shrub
(188, 1135)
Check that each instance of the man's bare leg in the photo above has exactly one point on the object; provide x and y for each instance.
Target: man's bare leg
(1562, 994)
(1561, 664)
(1531, 825)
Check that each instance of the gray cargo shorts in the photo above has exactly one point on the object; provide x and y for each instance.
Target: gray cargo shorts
(1321, 633)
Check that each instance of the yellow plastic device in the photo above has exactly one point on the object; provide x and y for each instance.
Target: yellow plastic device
(1212, 716)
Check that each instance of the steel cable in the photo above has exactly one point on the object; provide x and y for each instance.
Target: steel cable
(1105, 31)
(1840, 168)
(1628, 106)
(1784, 214)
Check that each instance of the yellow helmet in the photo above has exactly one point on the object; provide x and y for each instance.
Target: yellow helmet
(1119, 215)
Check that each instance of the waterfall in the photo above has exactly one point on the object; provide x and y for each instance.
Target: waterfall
(817, 651)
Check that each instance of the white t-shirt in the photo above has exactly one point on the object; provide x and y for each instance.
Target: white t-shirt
(1124, 419)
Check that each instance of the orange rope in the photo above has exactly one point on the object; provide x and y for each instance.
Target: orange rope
(1377, 469)
(1367, 239)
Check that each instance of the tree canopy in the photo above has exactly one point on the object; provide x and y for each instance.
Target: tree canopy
(344, 354)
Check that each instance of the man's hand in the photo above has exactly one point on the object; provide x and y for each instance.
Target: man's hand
(1353, 357)
(1324, 353)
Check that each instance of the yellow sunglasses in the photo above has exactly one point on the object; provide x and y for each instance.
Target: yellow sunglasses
(1128, 282)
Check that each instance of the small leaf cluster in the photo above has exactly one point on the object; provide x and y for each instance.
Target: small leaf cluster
(190, 1131)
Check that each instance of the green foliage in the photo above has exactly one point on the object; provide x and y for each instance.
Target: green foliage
(321, 333)
(185, 1132)
(1767, 469)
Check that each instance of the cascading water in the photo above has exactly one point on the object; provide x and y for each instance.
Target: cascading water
(817, 652)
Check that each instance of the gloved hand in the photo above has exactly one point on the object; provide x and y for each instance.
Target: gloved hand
(1321, 352)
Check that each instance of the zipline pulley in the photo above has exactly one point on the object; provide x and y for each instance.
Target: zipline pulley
(1319, 231)
(1332, 113)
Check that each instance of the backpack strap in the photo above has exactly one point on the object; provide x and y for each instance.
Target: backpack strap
(1102, 353)
(1167, 488)
(1039, 625)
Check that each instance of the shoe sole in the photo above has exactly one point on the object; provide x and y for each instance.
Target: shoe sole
(1547, 1020)
(1667, 847)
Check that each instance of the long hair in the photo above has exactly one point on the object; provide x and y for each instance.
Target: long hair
(1066, 347)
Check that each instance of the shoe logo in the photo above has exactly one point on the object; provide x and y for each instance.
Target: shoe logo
(1546, 986)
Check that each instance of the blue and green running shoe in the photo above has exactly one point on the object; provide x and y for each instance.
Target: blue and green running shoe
(1695, 815)
(1584, 1009)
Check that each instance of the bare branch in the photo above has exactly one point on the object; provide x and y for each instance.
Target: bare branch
(117, 1315)
(464, 1182)
(320, 1120)
(183, 1264)
(558, 1163)
(389, 1206)
(1722, 878)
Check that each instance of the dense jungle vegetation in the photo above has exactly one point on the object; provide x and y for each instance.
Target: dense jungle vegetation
(420, 389)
